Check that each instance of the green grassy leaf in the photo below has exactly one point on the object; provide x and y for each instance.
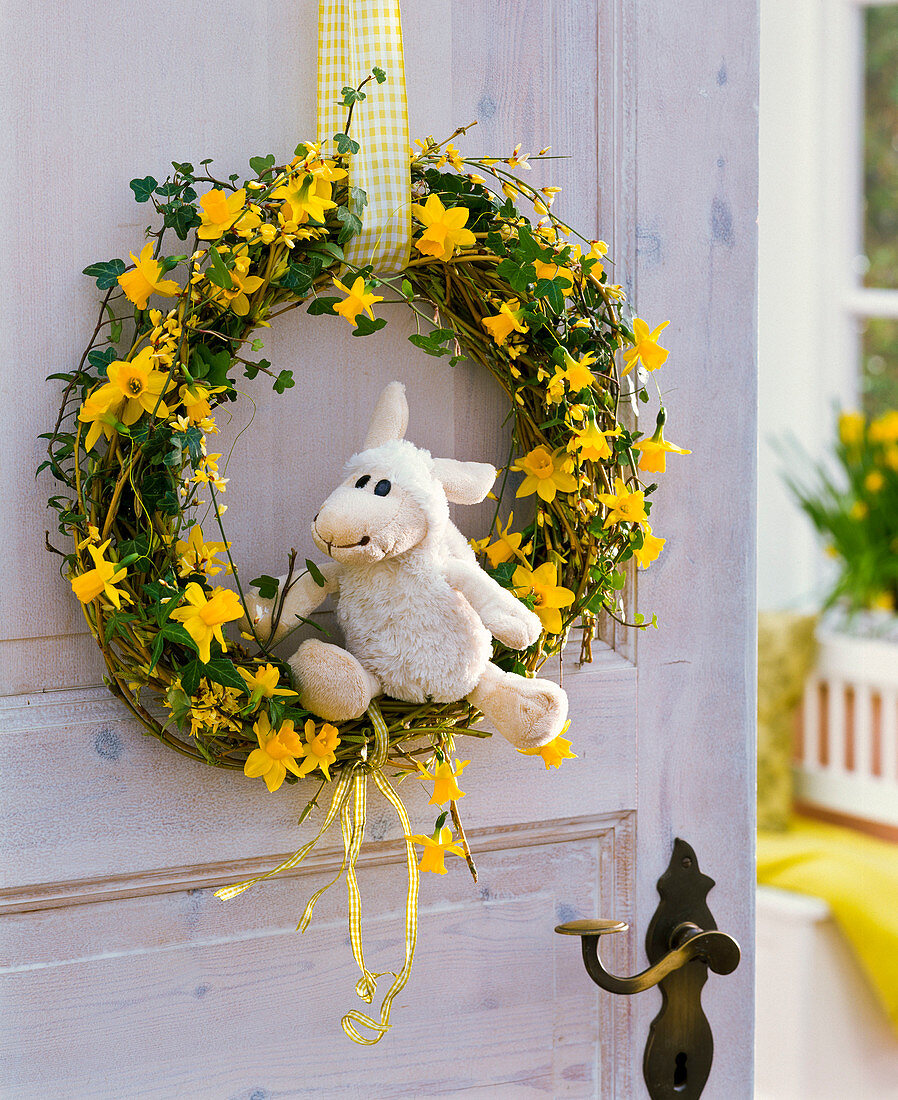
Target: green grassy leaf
(218, 273)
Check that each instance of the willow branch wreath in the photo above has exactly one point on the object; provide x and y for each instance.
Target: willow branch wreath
(131, 451)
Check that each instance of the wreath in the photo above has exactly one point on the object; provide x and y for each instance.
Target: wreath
(132, 449)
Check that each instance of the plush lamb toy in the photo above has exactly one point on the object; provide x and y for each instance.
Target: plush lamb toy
(416, 609)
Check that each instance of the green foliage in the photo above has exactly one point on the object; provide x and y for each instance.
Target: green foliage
(106, 272)
(143, 189)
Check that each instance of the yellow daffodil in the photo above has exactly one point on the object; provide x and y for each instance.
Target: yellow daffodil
(596, 253)
(646, 349)
(851, 428)
(445, 789)
(198, 556)
(554, 752)
(556, 386)
(546, 270)
(220, 212)
(93, 536)
(236, 297)
(884, 429)
(101, 579)
(203, 617)
(625, 507)
(874, 481)
(542, 583)
(577, 373)
(507, 320)
(195, 399)
(547, 473)
(146, 279)
(305, 196)
(433, 857)
(443, 228)
(859, 510)
(358, 300)
(318, 751)
(653, 452)
(651, 547)
(263, 683)
(134, 387)
(276, 754)
(506, 546)
(591, 443)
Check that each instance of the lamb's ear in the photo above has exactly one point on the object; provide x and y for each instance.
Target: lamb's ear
(390, 417)
(464, 482)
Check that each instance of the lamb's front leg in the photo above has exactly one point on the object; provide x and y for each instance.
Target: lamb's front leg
(528, 713)
(501, 612)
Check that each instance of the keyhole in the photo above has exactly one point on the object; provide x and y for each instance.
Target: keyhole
(679, 1081)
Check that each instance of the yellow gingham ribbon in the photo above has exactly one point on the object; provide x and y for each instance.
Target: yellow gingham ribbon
(354, 36)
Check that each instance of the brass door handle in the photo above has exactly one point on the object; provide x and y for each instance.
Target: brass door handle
(682, 944)
(688, 941)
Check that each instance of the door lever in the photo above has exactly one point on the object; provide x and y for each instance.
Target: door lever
(682, 944)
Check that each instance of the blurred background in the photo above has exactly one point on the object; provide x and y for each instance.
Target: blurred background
(828, 551)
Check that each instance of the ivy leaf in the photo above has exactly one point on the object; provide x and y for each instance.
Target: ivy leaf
(183, 169)
(315, 573)
(252, 369)
(106, 272)
(260, 165)
(268, 586)
(181, 217)
(358, 200)
(222, 671)
(190, 676)
(219, 274)
(100, 360)
(379, 75)
(345, 144)
(352, 224)
(144, 188)
(364, 326)
(351, 95)
(298, 278)
(504, 572)
(284, 381)
(257, 345)
(319, 306)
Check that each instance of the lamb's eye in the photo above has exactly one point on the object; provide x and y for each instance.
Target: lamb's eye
(382, 488)
(363, 481)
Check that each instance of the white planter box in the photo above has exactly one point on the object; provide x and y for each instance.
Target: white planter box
(847, 751)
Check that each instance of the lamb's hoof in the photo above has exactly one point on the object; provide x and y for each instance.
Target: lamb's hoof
(543, 712)
(331, 682)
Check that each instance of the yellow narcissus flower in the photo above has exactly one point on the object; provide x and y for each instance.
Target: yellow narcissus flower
(646, 349)
(542, 583)
(101, 579)
(506, 546)
(625, 507)
(547, 473)
(198, 556)
(654, 451)
(134, 387)
(445, 789)
(874, 481)
(304, 197)
(204, 616)
(146, 279)
(555, 271)
(591, 443)
(505, 322)
(884, 429)
(263, 683)
(851, 428)
(433, 858)
(358, 300)
(276, 754)
(554, 752)
(221, 212)
(444, 228)
(242, 285)
(318, 751)
(577, 373)
(651, 547)
(195, 399)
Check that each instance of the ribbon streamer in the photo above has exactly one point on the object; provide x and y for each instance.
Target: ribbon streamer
(354, 36)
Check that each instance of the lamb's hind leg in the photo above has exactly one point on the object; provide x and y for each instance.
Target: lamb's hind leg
(528, 713)
(331, 682)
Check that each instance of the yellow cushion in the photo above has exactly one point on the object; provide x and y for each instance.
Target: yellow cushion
(858, 877)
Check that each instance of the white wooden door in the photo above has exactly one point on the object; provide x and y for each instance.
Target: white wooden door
(123, 976)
